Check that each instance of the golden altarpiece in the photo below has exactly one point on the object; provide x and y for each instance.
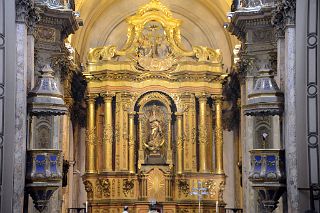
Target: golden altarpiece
(154, 120)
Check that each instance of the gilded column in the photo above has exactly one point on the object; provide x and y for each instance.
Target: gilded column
(107, 134)
(91, 136)
(169, 153)
(141, 151)
(219, 135)
(202, 134)
(131, 142)
(179, 143)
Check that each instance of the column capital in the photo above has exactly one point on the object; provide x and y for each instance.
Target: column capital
(140, 116)
(202, 97)
(179, 114)
(91, 97)
(132, 114)
(107, 96)
(217, 98)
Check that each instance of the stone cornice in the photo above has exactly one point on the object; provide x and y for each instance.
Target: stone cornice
(244, 19)
(62, 19)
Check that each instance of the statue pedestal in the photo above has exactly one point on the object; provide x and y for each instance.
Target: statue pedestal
(155, 159)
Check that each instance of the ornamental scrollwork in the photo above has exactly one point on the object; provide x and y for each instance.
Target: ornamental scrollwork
(184, 187)
(155, 44)
(88, 188)
(103, 187)
(127, 186)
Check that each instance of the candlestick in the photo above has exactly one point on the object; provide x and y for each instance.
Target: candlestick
(86, 206)
(217, 206)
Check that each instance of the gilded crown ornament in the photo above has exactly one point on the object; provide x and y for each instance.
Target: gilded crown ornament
(153, 45)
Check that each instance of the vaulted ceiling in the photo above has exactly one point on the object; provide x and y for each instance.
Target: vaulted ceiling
(202, 23)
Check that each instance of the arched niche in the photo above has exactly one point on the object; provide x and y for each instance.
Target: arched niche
(155, 122)
(43, 132)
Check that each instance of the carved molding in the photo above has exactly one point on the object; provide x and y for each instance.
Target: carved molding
(155, 96)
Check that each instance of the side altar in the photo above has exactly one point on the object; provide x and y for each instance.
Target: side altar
(154, 120)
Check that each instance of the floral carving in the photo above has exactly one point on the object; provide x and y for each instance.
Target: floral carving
(103, 187)
(127, 186)
(184, 187)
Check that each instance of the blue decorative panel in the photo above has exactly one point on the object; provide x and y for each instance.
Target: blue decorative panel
(53, 164)
(40, 164)
(271, 164)
(257, 164)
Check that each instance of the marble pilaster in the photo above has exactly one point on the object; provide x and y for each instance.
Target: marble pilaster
(20, 117)
(8, 83)
(30, 62)
(247, 135)
(229, 193)
(290, 126)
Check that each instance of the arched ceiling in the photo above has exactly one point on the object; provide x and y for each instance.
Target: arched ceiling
(105, 23)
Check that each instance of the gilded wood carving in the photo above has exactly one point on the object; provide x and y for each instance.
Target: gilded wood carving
(156, 133)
